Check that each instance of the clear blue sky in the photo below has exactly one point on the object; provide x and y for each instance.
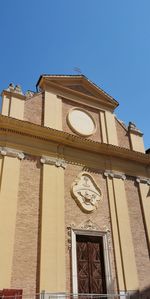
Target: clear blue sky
(109, 40)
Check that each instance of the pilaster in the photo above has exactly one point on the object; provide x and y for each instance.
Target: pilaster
(136, 138)
(111, 128)
(13, 102)
(123, 244)
(52, 111)
(10, 170)
(52, 267)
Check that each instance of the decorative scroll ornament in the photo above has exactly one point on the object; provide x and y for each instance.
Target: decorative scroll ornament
(86, 192)
(54, 161)
(143, 180)
(89, 225)
(6, 151)
(112, 174)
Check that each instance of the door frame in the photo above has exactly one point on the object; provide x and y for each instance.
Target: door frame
(74, 233)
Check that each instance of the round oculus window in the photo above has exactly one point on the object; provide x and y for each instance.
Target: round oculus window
(81, 122)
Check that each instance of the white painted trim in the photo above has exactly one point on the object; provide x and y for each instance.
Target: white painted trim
(123, 295)
(74, 263)
(74, 257)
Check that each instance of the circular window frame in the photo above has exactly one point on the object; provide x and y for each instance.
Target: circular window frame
(76, 131)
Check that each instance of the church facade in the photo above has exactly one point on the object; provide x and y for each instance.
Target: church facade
(75, 192)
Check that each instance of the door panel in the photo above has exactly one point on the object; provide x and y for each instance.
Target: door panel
(83, 266)
(90, 265)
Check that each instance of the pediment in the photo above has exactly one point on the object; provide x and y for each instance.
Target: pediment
(79, 85)
(80, 88)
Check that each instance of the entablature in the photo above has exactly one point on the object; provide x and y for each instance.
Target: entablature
(42, 141)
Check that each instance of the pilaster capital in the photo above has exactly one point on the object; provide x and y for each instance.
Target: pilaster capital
(143, 180)
(6, 151)
(112, 174)
(54, 161)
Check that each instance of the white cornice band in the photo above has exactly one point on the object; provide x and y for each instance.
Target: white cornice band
(143, 180)
(54, 161)
(6, 151)
(112, 174)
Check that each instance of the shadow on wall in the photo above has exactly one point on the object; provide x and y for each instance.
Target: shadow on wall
(144, 294)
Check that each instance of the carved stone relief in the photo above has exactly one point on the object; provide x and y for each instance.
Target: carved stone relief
(86, 192)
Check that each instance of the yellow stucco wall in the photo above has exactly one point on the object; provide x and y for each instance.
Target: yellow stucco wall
(123, 244)
(126, 242)
(8, 210)
(52, 111)
(137, 143)
(120, 276)
(103, 127)
(5, 105)
(111, 128)
(13, 106)
(17, 108)
(52, 270)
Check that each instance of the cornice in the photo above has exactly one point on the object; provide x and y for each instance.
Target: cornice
(11, 126)
(13, 94)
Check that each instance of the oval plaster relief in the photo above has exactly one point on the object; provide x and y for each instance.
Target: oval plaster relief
(86, 192)
(81, 122)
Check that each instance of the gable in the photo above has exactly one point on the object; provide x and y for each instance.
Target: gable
(78, 85)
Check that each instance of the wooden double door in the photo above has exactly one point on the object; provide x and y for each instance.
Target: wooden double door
(90, 265)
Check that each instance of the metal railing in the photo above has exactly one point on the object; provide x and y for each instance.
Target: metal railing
(84, 296)
(44, 295)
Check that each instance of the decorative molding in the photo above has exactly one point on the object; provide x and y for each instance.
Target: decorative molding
(133, 129)
(143, 180)
(88, 225)
(29, 93)
(112, 174)
(83, 116)
(6, 151)
(86, 192)
(23, 128)
(54, 161)
(15, 89)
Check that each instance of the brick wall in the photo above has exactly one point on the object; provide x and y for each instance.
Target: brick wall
(138, 233)
(25, 260)
(73, 214)
(33, 110)
(123, 137)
